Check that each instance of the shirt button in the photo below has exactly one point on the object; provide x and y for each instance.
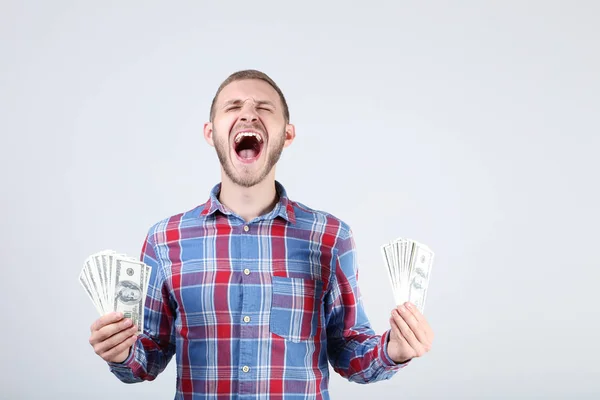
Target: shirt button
(247, 271)
(246, 368)
(246, 319)
(246, 228)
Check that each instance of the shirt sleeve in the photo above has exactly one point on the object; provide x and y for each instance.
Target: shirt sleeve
(355, 351)
(154, 347)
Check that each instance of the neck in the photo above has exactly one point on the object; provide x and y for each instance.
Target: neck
(250, 202)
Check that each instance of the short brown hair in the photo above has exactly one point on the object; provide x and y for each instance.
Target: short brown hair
(250, 74)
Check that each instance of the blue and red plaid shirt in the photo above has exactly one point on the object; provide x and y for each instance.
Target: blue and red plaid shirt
(254, 310)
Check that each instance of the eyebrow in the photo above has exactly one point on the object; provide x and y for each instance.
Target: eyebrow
(238, 102)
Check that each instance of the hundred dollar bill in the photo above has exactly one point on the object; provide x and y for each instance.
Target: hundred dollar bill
(86, 285)
(421, 262)
(129, 290)
(388, 256)
(96, 289)
(102, 269)
(408, 264)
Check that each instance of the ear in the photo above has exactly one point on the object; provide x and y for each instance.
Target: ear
(290, 135)
(208, 133)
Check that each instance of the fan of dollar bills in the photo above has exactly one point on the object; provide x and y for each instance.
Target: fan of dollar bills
(115, 282)
(409, 267)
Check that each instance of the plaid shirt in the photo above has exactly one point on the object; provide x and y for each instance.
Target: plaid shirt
(254, 310)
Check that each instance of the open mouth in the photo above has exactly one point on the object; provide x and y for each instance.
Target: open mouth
(248, 145)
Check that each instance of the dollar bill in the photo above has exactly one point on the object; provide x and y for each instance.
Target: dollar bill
(116, 282)
(408, 264)
(389, 257)
(129, 290)
(86, 285)
(91, 272)
(102, 276)
(421, 261)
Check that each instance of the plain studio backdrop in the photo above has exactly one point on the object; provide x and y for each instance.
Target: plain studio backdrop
(469, 126)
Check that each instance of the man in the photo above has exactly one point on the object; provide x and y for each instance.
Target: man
(252, 292)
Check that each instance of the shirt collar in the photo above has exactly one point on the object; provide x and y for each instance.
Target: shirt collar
(284, 207)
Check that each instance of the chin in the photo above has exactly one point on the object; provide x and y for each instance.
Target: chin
(248, 179)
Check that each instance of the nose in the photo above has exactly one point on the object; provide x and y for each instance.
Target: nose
(248, 113)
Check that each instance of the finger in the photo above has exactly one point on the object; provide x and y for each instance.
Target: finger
(109, 330)
(397, 334)
(114, 340)
(414, 310)
(414, 325)
(120, 348)
(422, 320)
(106, 319)
(408, 334)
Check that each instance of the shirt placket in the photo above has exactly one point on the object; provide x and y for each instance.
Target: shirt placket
(247, 362)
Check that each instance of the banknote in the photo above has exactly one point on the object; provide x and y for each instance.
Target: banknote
(116, 282)
(129, 291)
(408, 264)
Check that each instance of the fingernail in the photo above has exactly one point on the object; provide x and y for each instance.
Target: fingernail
(409, 306)
(402, 308)
(127, 322)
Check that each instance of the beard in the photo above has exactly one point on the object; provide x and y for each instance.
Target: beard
(248, 180)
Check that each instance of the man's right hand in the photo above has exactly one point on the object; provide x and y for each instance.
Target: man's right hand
(112, 337)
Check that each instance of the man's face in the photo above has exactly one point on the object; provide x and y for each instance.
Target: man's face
(248, 131)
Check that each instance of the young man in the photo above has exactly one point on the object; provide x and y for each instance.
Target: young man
(252, 292)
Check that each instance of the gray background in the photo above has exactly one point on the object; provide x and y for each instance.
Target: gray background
(470, 126)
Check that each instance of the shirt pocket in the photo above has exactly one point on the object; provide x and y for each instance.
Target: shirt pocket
(295, 308)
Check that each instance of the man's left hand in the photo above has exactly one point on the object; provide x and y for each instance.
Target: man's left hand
(411, 336)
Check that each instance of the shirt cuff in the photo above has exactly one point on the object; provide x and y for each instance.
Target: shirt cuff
(385, 357)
